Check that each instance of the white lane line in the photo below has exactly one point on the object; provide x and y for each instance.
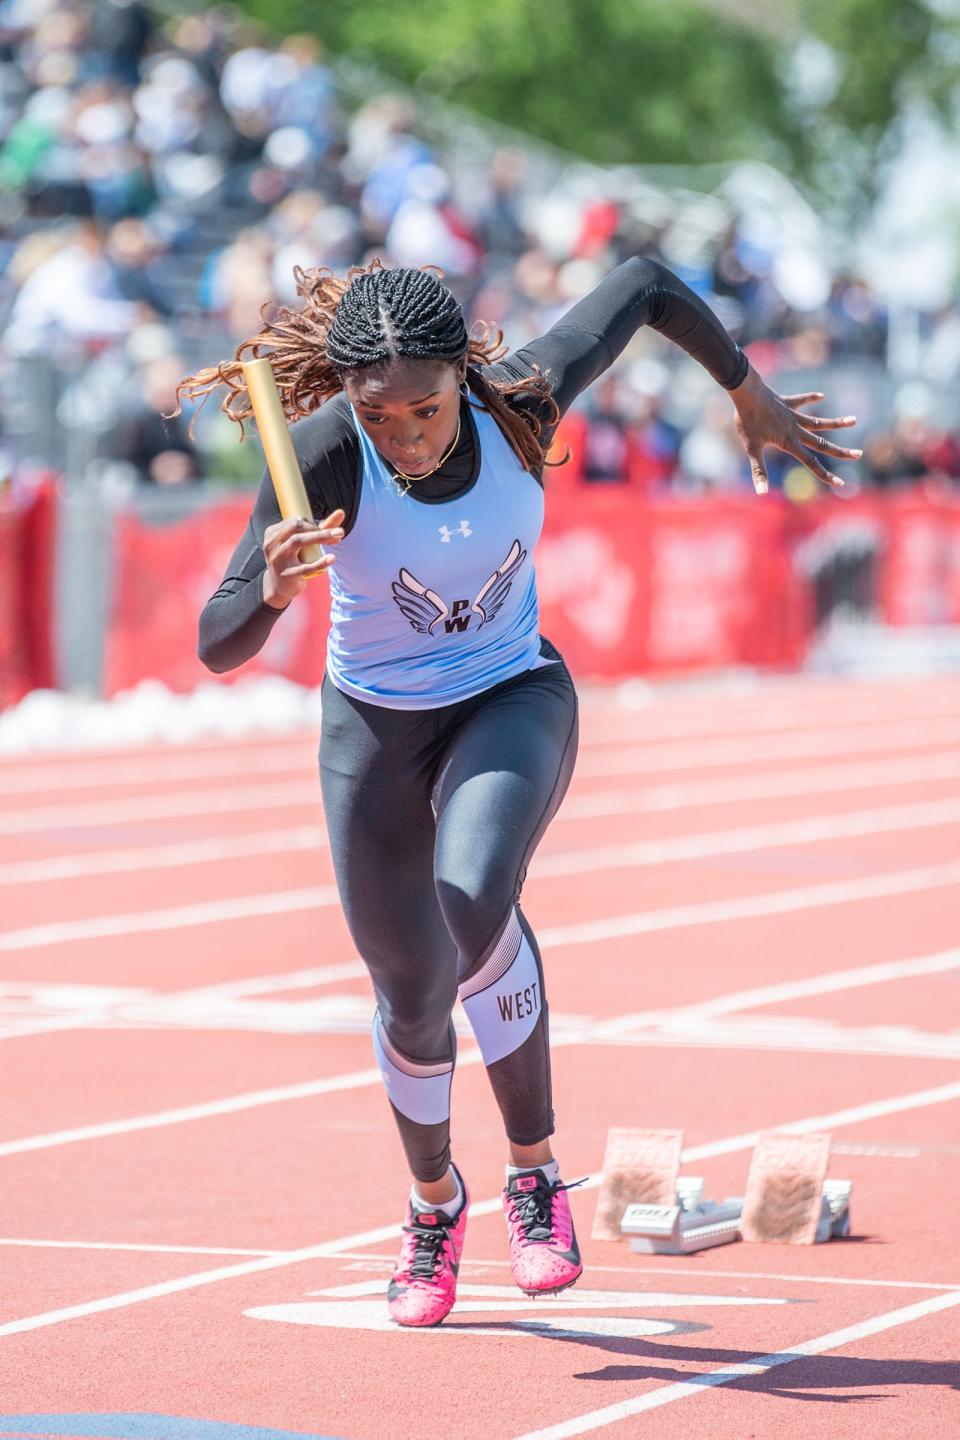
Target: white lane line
(850, 1115)
(695, 708)
(163, 857)
(884, 973)
(191, 1282)
(645, 727)
(734, 1002)
(812, 829)
(626, 761)
(291, 901)
(484, 1207)
(737, 789)
(90, 1007)
(785, 1034)
(843, 1280)
(264, 755)
(96, 815)
(208, 912)
(211, 743)
(307, 1089)
(281, 982)
(729, 1374)
(137, 1249)
(345, 1014)
(95, 1007)
(760, 1275)
(756, 750)
(230, 1105)
(655, 798)
(777, 902)
(162, 768)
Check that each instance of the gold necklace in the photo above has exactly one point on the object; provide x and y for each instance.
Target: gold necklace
(399, 475)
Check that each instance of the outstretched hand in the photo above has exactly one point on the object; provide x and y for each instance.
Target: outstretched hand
(765, 418)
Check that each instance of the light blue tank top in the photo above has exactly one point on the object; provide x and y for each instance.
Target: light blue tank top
(433, 602)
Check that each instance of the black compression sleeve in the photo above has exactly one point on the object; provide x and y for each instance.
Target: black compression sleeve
(236, 620)
(590, 336)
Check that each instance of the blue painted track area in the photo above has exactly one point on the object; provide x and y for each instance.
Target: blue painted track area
(137, 1427)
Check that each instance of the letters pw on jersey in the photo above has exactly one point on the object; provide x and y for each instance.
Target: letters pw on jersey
(429, 613)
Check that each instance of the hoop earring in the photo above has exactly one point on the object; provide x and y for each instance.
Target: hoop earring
(465, 390)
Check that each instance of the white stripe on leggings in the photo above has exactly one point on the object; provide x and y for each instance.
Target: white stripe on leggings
(420, 1092)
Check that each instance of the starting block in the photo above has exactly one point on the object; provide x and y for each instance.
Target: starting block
(643, 1197)
(689, 1225)
(789, 1200)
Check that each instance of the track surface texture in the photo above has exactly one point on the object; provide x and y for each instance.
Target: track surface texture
(748, 908)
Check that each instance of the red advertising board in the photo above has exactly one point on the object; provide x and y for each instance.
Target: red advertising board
(164, 575)
(627, 586)
(26, 591)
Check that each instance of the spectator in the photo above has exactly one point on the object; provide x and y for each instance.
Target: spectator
(72, 295)
(156, 446)
(136, 256)
(655, 446)
(199, 161)
(856, 322)
(118, 36)
(427, 229)
(889, 461)
(605, 441)
(711, 459)
(499, 222)
(394, 152)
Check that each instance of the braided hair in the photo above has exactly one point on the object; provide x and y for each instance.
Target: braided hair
(370, 319)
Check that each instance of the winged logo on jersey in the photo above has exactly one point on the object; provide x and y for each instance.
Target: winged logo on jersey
(425, 609)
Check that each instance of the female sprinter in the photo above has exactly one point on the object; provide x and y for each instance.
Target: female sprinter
(449, 723)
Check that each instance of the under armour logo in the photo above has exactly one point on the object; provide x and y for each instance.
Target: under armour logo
(446, 533)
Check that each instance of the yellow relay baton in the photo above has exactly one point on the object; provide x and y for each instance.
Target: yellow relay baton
(278, 450)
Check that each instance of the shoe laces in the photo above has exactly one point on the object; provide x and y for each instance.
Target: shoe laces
(428, 1243)
(534, 1208)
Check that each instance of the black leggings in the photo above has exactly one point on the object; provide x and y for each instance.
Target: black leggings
(433, 816)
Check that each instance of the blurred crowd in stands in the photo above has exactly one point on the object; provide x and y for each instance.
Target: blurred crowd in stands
(160, 177)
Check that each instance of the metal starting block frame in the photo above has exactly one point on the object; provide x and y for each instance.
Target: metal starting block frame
(834, 1222)
(788, 1199)
(694, 1224)
(691, 1224)
(700, 1224)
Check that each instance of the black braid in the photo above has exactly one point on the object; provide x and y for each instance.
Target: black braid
(387, 314)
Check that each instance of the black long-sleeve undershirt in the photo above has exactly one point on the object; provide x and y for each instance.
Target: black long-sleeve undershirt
(236, 621)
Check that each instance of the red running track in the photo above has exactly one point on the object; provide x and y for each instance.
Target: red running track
(748, 909)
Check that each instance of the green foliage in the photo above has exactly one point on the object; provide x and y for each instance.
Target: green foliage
(667, 81)
(891, 56)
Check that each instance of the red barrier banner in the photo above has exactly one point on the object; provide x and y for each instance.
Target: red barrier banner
(921, 572)
(164, 576)
(895, 557)
(26, 592)
(627, 586)
(11, 662)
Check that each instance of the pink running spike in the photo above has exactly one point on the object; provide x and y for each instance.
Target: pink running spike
(424, 1284)
(544, 1255)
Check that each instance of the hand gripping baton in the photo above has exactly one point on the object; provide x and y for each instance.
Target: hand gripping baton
(278, 449)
